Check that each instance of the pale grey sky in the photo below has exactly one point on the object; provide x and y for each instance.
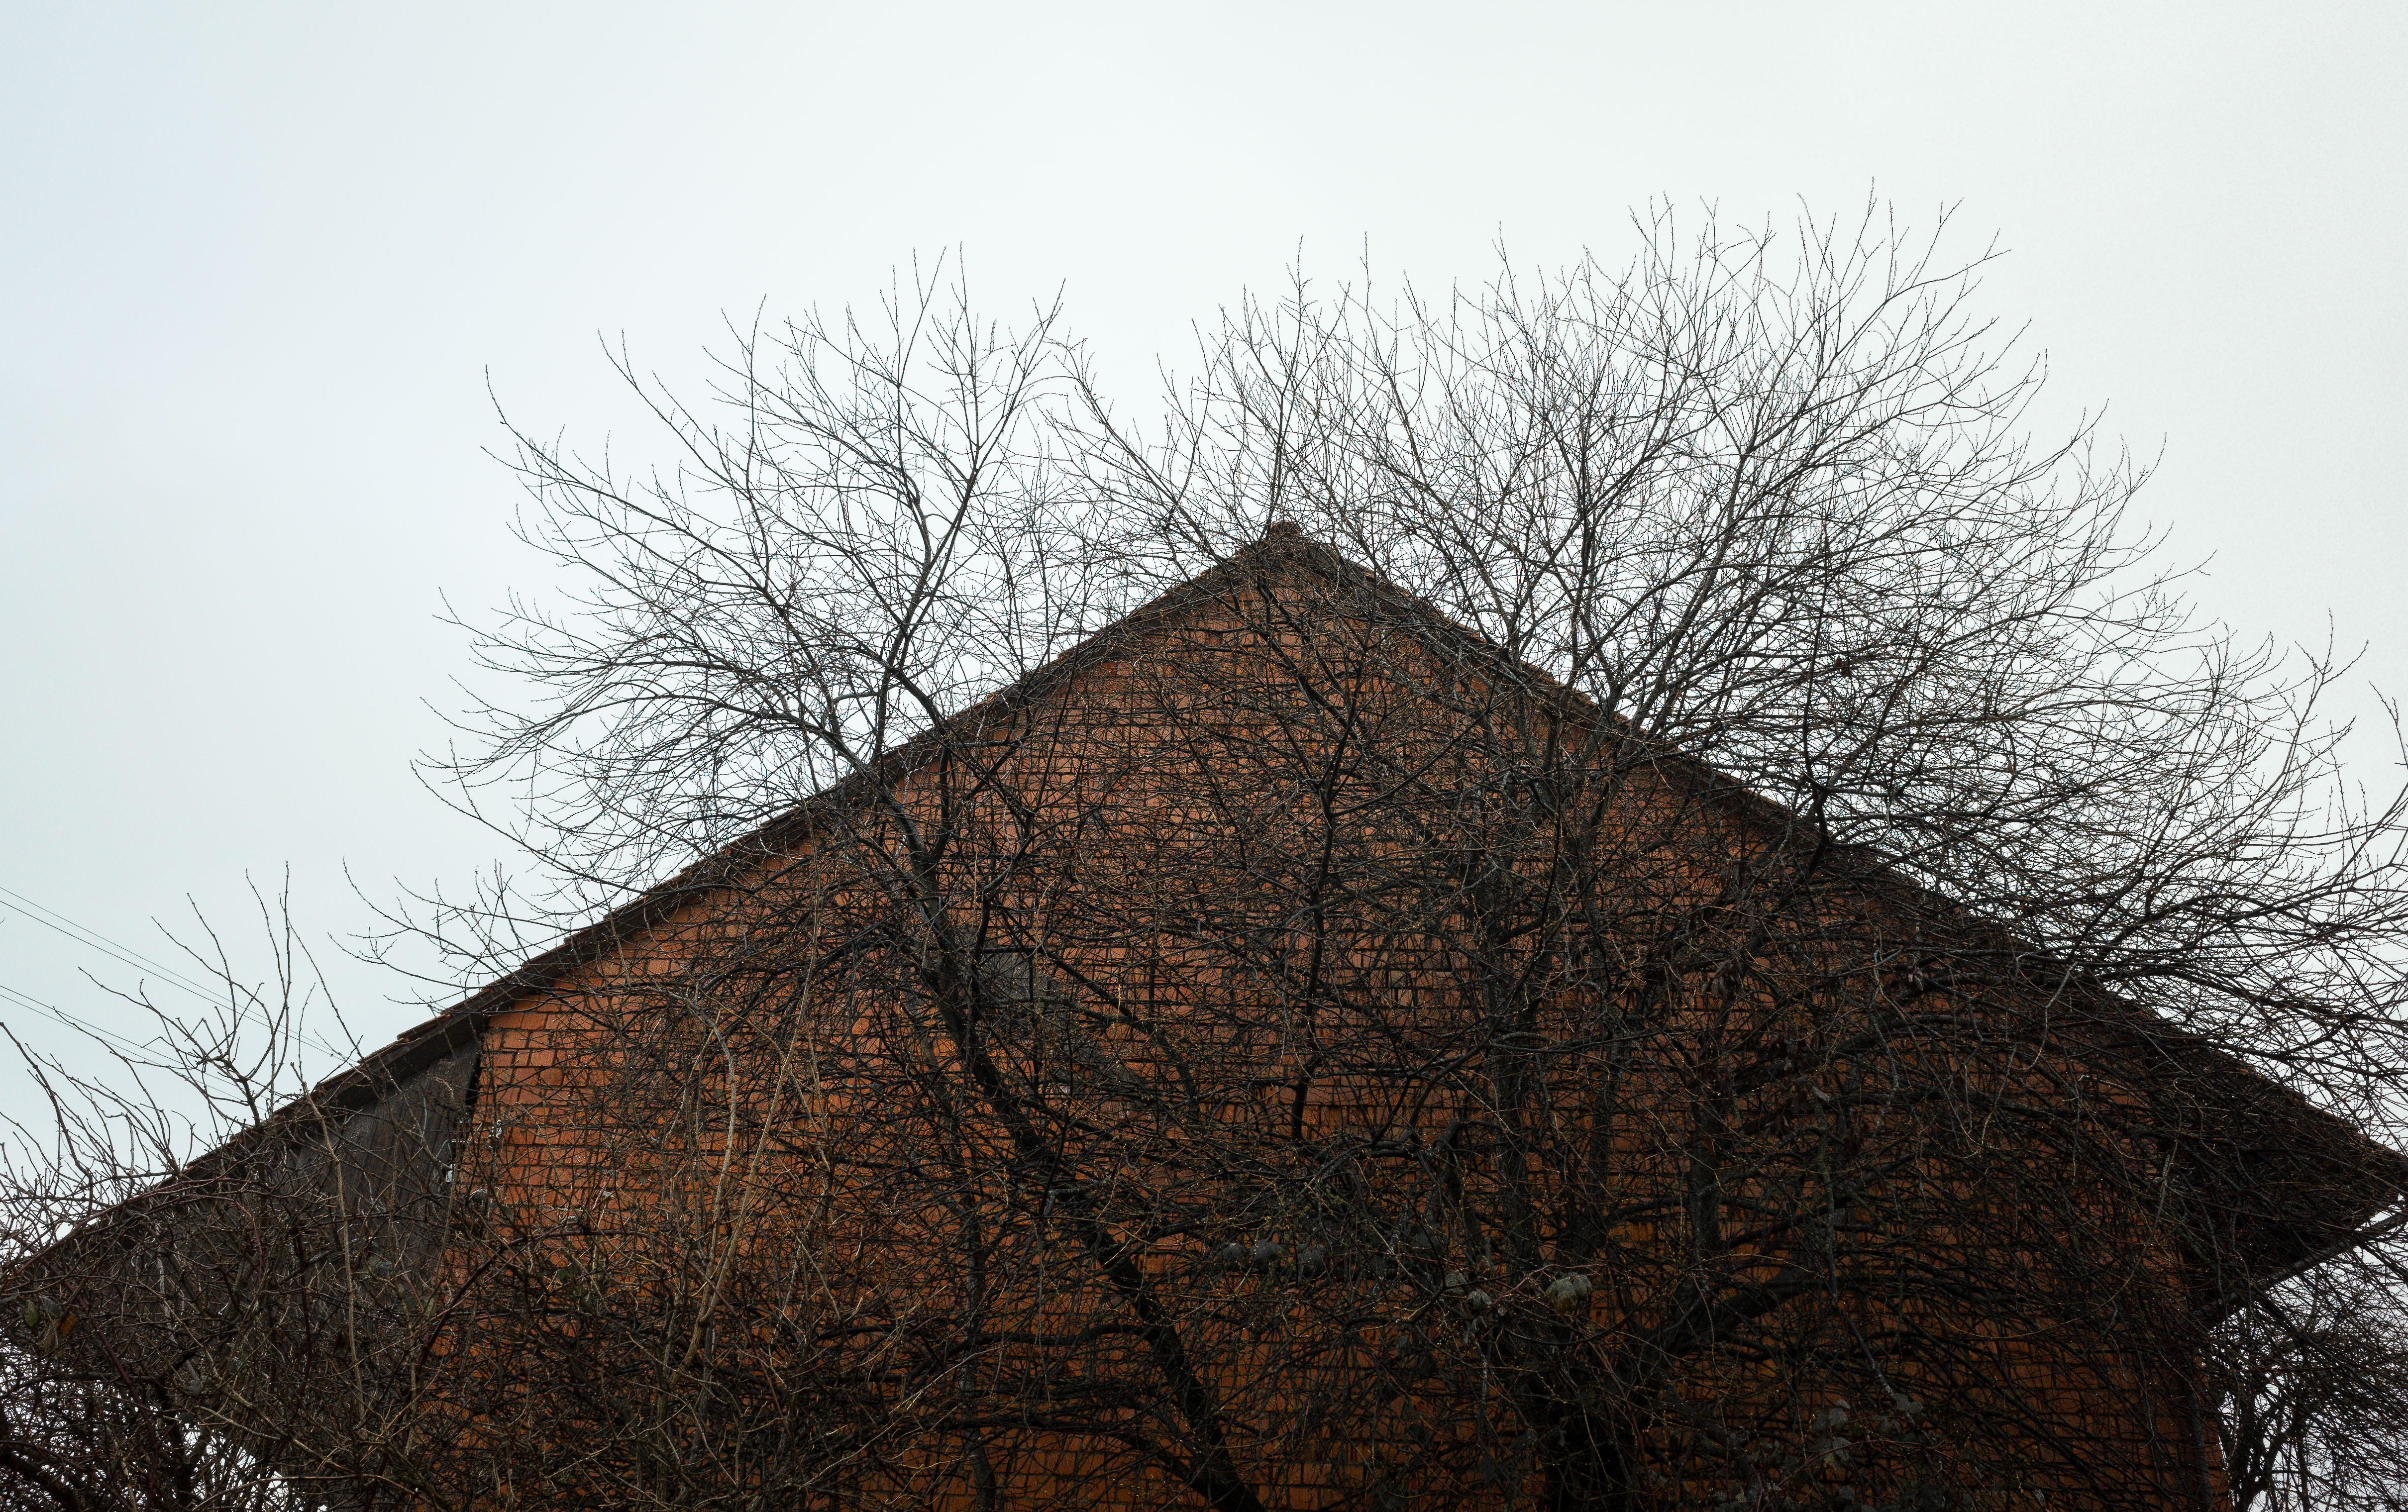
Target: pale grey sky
(256, 261)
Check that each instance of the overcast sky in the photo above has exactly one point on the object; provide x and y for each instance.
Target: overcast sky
(258, 264)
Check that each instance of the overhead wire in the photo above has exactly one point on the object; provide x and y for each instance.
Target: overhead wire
(90, 938)
(60, 1015)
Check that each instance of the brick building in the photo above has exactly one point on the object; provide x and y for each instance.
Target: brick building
(1286, 1053)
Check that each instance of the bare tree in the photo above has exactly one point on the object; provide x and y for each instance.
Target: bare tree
(1742, 552)
(1781, 518)
(2313, 1379)
(140, 1258)
(231, 1289)
(1608, 891)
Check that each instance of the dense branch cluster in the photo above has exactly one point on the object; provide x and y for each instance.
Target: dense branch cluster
(1609, 892)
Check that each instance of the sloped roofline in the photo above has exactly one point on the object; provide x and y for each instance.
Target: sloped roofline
(2291, 1130)
(364, 1084)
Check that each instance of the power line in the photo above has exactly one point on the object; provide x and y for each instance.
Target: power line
(26, 1000)
(42, 914)
(90, 938)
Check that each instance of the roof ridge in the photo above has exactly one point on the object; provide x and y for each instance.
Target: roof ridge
(1281, 547)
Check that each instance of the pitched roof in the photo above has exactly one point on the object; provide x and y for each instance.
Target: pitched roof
(2296, 1181)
